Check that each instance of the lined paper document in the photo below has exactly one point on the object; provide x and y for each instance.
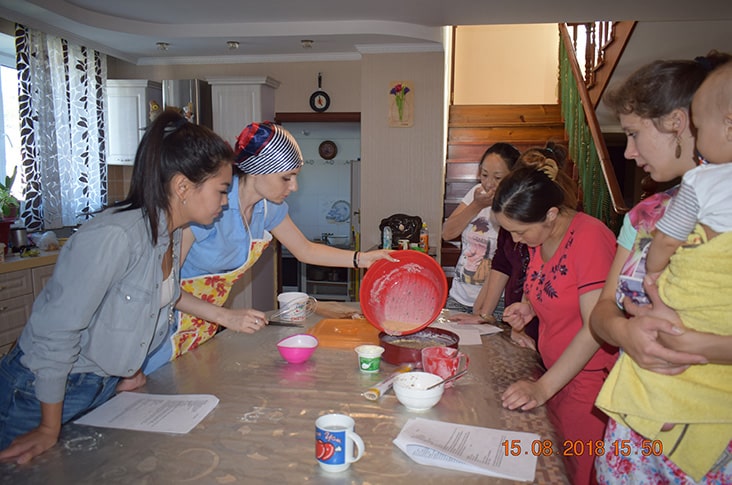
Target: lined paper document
(152, 412)
(469, 448)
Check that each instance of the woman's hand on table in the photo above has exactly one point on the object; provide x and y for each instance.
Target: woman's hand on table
(246, 320)
(468, 318)
(518, 315)
(524, 395)
(29, 445)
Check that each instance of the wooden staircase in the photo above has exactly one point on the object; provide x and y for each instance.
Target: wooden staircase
(472, 129)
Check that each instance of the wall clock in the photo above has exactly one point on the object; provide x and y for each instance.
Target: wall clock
(328, 150)
(319, 100)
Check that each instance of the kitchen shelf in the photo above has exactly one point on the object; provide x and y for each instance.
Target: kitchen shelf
(342, 117)
(334, 284)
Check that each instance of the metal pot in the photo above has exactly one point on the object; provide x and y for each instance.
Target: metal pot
(18, 237)
(405, 349)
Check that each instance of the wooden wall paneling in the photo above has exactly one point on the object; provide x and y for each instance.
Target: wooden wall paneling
(510, 134)
(490, 115)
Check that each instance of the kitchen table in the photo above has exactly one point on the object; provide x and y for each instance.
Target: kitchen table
(262, 430)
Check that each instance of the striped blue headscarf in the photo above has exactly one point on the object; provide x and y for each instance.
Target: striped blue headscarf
(267, 148)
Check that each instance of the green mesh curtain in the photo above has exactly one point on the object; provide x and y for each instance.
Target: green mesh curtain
(595, 194)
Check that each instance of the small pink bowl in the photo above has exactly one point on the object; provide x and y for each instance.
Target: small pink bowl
(297, 348)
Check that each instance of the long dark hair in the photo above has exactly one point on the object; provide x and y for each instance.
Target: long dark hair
(528, 192)
(172, 145)
(660, 87)
(506, 151)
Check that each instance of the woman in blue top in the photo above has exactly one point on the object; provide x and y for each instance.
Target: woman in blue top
(267, 163)
(110, 299)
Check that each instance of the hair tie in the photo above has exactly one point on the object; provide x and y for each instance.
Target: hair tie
(174, 126)
(705, 63)
(550, 169)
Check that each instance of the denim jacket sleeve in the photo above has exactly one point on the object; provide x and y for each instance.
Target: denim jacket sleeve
(98, 311)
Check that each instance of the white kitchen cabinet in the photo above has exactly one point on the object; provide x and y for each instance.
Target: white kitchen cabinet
(128, 112)
(236, 102)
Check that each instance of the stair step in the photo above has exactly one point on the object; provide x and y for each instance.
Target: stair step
(490, 115)
(514, 134)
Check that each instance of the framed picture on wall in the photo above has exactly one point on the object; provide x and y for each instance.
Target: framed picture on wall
(401, 104)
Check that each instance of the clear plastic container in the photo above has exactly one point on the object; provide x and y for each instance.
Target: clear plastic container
(386, 238)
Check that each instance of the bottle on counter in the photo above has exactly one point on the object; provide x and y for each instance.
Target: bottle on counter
(424, 238)
(386, 237)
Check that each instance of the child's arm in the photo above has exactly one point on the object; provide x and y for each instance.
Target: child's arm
(660, 252)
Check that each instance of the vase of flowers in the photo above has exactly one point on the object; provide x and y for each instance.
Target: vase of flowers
(399, 91)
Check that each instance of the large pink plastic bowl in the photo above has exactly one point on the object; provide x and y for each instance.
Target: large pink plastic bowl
(411, 292)
(297, 348)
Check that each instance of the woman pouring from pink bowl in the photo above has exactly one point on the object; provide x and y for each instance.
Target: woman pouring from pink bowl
(268, 160)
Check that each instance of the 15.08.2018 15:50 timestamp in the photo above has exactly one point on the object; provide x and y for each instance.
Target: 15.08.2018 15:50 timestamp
(579, 448)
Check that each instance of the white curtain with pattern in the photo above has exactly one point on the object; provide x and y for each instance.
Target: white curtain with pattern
(64, 171)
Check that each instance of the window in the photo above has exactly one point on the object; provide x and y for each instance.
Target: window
(9, 115)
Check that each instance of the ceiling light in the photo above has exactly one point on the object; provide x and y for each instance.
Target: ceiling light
(232, 44)
(306, 43)
(162, 46)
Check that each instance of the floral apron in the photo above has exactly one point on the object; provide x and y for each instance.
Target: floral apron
(213, 288)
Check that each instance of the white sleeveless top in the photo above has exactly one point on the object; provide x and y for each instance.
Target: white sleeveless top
(167, 291)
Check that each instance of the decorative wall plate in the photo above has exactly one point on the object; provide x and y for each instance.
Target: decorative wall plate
(328, 150)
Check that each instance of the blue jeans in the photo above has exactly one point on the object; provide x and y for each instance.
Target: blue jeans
(20, 410)
(453, 304)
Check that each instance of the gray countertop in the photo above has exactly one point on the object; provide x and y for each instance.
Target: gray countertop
(262, 430)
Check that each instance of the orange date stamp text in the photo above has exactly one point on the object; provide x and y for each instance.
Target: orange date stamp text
(582, 448)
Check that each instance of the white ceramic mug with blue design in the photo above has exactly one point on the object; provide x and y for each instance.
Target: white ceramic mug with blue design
(295, 306)
(334, 442)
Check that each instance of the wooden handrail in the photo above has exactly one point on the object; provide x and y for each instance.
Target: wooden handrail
(604, 44)
(616, 197)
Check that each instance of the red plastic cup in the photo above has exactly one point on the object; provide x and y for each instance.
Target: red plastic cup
(444, 361)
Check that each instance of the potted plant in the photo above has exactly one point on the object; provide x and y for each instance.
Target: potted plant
(8, 203)
(8, 209)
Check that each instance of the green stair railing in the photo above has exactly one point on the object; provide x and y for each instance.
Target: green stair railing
(601, 196)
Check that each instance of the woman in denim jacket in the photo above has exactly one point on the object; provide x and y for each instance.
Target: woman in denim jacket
(112, 292)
